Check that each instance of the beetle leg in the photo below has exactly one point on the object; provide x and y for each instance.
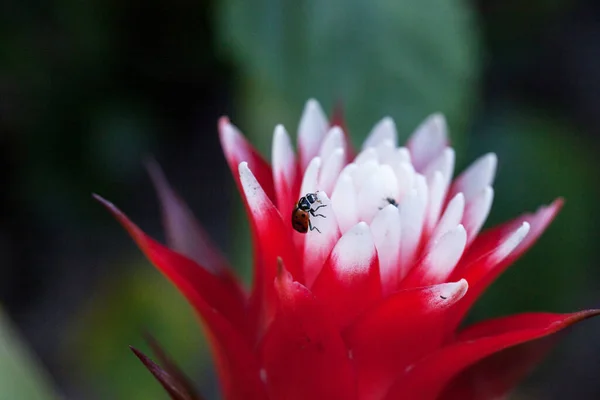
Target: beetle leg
(312, 212)
(313, 228)
(324, 205)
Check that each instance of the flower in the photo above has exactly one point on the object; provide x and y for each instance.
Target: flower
(368, 304)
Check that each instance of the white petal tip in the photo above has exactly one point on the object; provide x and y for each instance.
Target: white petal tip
(446, 294)
(511, 243)
(489, 162)
(384, 130)
(390, 209)
(438, 119)
(313, 111)
(460, 198)
(387, 123)
(444, 255)
(360, 228)
(524, 228)
(454, 290)
(336, 130)
(280, 131)
(478, 175)
(313, 104)
(355, 250)
(491, 159)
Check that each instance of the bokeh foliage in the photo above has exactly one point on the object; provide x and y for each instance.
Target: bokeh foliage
(20, 376)
(403, 58)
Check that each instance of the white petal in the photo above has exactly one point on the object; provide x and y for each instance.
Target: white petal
(363, 172)
(428, 141)
(386, 231)
(310, 179)
(386, 153)
(412, 215)
(439, 174)
(451, 218)
(403, 155)
(333, 140)
(436, 199)
(382, 131)
(446, 294)
(367, 155)
(283, 156)
(354, 252)
(539, 222)
(331, 170)
(405, 176)
(510, 244)
(311, 130)
(476, 177)
(477, 211)
(372, 196)
(317, 246)
(350, 170)
(233, 142)
(443, 257)
(344, 202)
(257, 200)
(444, 164)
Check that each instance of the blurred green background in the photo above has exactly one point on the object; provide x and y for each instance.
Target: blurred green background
(89, 89)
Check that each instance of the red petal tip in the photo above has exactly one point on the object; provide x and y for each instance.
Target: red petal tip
(171, 385)
(559, 202)
(280, 267)
(580, 316)
(283, 280)
(110, 206)
(224, 120)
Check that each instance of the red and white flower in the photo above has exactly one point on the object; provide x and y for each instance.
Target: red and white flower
(370, 306)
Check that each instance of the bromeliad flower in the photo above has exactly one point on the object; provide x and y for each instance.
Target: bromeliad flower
(366, 304)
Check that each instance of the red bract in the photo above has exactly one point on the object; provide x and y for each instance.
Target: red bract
(369, 305)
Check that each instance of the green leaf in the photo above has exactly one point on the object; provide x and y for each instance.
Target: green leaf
(403, 58)
(21, 377)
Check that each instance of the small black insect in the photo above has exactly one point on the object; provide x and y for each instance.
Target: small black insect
(391, 201)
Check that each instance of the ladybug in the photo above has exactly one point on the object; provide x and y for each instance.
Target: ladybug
(302, 212)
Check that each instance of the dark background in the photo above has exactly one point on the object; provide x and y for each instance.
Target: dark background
(89, 90)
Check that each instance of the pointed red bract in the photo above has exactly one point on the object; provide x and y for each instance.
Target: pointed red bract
(427, 378)
(386, 338)
(497, 375)
(303, 355)
(184, 234)
(171, 367)
(218, 293)
(217, 304)
(481, 265)
(172, 385)
(349, 281)
(273, 242)
(238, 149)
